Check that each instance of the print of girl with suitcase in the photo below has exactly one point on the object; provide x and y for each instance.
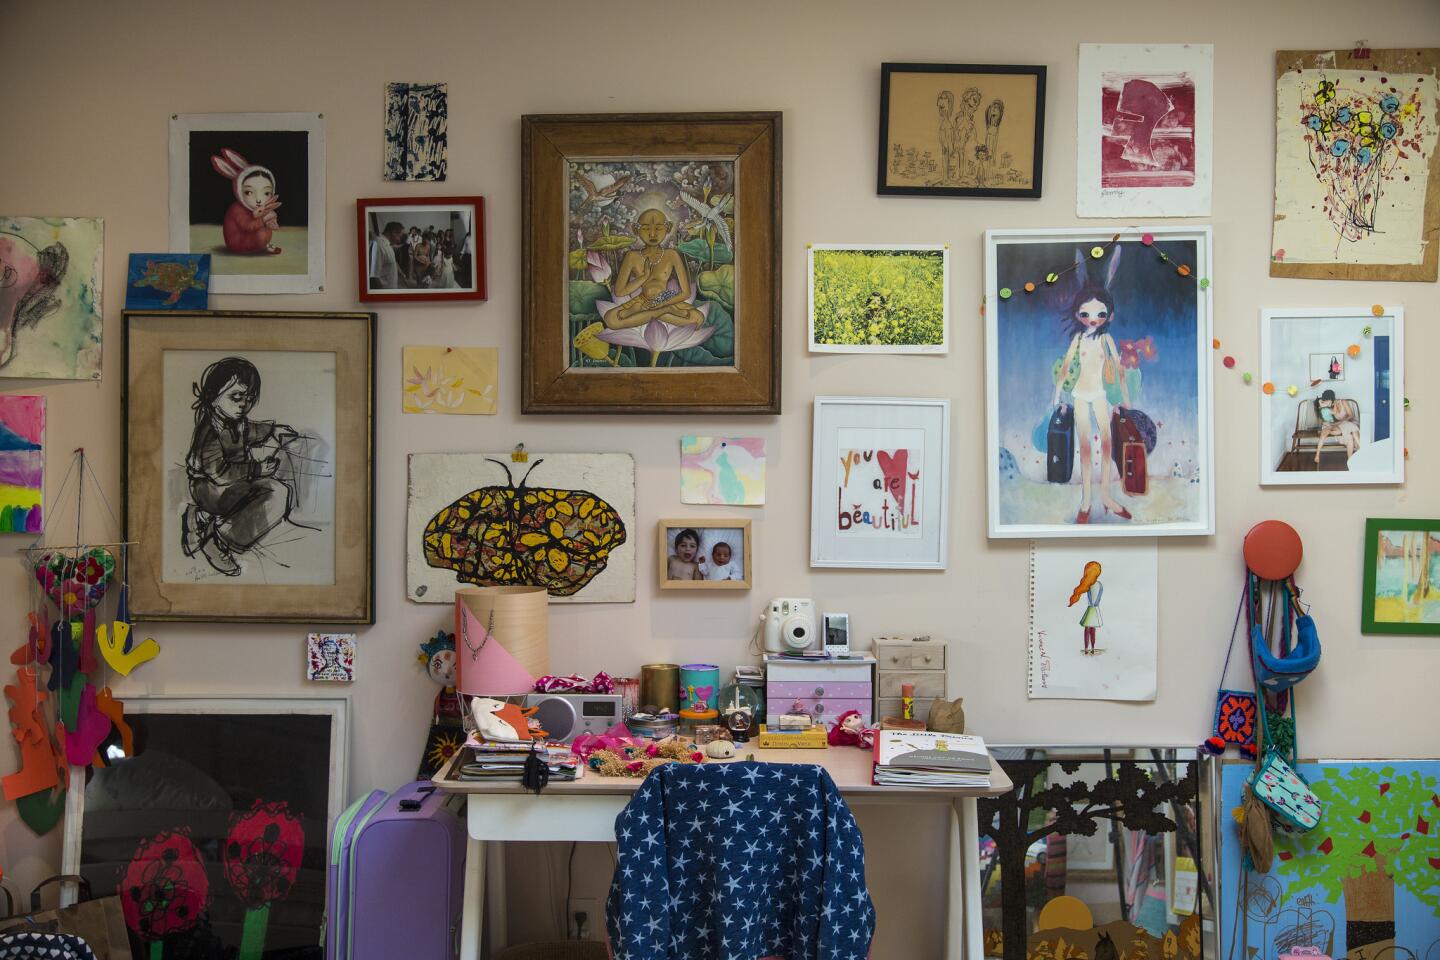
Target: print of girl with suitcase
(1091, 361)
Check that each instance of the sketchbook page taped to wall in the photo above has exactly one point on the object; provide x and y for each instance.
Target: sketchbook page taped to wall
(1357, 171)
(1144, 130)
(565, 522)
(1093, 621)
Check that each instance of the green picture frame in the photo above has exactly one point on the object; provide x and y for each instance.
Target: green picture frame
(1379, 589)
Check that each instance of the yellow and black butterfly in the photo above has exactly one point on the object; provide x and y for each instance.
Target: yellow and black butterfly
(494, 536)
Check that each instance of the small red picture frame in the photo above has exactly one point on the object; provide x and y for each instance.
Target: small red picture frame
(420, 249)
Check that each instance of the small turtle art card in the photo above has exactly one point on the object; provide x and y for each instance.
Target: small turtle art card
(168, 281)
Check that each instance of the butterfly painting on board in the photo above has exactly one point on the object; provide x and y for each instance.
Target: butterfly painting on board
(560, 521)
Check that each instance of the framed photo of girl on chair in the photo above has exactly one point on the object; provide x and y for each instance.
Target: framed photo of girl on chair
(1332, 395)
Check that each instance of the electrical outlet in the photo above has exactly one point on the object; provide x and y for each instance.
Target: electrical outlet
(591, 926)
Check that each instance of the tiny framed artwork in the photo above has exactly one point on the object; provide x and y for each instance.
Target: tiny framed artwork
(1144, 130)
(1334, 413)
(961, 130)
(249, 470)
(330, 657)
(430, 248)
(880, 475)
(650, 260)
(1098, 368)
(168, 281)
(879, 298)
(249, 189)
(703, 554)
(1402, 577)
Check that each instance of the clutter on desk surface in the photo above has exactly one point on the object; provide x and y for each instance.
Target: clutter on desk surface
(928, 759)
(505, 760)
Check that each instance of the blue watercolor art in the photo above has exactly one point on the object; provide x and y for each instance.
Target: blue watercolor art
(416, 118)
(168, 281)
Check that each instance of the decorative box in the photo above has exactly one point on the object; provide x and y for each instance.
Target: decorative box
(900, 661)
(824, 689)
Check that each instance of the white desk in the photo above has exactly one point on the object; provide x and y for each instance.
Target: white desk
(586, 810)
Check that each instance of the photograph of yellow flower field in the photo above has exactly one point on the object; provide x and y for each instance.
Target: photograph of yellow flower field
(879, 298)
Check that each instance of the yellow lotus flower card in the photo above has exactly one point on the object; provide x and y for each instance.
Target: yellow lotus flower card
(451, 380)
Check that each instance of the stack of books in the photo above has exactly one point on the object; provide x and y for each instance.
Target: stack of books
(505, 759)
(905, 758)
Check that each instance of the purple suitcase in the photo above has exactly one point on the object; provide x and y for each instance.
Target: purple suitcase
(397, 877)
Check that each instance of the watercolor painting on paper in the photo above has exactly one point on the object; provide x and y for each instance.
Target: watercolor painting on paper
(1093, 621)
(168, 281)
(1357, 167)
(1144, 130)
(50, 297)
(22, 464)
(724, 470)
(416, 137)
(652, 269)
(451, 380)
(562, 521)
(879, 298)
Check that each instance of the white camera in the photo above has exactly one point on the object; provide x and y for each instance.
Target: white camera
(790, 626)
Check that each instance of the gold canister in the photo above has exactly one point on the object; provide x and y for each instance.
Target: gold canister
(660, 686)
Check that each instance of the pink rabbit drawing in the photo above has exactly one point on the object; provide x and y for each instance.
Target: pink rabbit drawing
(251, 218)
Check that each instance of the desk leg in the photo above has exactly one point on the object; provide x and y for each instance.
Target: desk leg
(955, 911)
(973, 922)
(472, 914)
(499, 929)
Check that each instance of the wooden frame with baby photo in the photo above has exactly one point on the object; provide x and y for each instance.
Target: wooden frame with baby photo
(731, 570)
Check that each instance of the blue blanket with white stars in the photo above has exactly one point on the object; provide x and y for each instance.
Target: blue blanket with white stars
(739, 861)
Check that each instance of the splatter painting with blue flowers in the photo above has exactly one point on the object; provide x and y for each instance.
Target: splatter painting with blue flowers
(416, 117)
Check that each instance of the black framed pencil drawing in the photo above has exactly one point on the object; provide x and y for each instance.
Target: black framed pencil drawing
(249, 465)
(961, 130)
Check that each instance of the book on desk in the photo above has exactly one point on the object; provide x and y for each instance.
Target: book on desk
(505, 760)
(928, 759)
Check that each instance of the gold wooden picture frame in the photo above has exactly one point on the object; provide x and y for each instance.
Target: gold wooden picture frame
(720, 558)
(248, 487)
(651, 263)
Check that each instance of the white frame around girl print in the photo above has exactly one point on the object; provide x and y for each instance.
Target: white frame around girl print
(1393, 470)
(1086, 238)
(926, 552)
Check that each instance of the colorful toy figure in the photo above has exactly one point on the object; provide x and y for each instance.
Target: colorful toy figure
(438, 656)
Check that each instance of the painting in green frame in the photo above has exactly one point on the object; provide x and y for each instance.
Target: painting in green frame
(1402, 576)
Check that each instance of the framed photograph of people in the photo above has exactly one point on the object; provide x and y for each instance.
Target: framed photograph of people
(650, 259)
(961, 130)
(430, 248)
(1098, 382)
(249, 470)
(249, 189)
(1332, 408)
(880, 470)
(704, 554)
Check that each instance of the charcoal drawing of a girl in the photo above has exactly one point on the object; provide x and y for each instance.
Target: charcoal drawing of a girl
(238, 470)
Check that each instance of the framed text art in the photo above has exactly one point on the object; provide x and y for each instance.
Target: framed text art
(880, 472)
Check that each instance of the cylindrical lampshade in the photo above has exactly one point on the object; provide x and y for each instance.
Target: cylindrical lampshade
(502, 639)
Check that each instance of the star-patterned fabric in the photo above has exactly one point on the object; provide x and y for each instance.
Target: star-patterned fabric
(739, 861)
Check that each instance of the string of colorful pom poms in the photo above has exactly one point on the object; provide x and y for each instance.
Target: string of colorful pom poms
(1098, 252)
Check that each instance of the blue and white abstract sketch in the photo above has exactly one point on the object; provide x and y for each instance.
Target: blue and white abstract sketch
(416, 116)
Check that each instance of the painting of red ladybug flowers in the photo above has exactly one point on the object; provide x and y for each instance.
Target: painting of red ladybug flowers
(262, 856)
(164, 890)
(212, 830)
(1364, 882)
(564, 522)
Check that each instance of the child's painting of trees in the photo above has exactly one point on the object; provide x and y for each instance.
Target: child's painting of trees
(1364, 884)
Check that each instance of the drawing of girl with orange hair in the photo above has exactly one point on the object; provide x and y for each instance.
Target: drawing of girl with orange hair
(1092, 590)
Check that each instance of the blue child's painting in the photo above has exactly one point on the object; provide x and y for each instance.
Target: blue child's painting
(1364, 884)
(416, 118)
(1099, 386)
(168, 281)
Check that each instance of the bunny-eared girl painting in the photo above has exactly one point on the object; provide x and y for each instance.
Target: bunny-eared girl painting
(251, 220)
(1102, 365)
